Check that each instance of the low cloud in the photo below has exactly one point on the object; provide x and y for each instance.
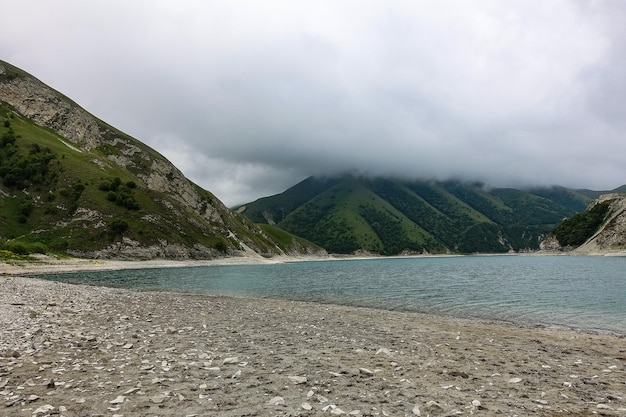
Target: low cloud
(249, 98)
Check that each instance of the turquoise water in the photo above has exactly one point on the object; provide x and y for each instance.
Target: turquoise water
(578, 292)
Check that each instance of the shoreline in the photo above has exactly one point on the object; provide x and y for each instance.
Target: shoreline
(75, 350)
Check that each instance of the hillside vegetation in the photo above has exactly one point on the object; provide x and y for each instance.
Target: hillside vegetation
(346, 214)
(71, 183)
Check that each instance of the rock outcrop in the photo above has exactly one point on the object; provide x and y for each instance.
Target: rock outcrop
(610, 238)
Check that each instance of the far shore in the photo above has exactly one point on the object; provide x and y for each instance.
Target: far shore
(46, 264)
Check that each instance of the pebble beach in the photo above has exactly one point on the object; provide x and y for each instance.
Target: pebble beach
(75, 350)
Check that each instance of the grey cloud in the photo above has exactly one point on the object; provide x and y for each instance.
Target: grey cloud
(248, 99)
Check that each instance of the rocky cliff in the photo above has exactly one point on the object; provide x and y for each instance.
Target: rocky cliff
(609, 238)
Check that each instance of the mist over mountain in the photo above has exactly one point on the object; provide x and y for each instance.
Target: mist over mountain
(248, 98)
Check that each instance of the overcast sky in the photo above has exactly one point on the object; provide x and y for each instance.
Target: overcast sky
(250, 97)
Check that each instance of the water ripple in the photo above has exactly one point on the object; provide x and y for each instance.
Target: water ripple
(579, 292)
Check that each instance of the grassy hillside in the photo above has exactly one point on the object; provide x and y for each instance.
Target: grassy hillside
(95, 191)
(391, 216)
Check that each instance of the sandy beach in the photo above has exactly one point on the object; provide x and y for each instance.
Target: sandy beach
(73, 350)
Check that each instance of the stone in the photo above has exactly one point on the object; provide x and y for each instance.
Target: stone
(515, 380)
(383, 351)
(276, 401)
(366, 372)
(433, 406)
(416, 410)
(44, 409)
(307, 406)
(298, 379)
(119, 400)
(333, 409)
(158, 399)
(229, 361)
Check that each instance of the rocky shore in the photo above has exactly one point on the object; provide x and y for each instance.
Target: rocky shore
(72, 350)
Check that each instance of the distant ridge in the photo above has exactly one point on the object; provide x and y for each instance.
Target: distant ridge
(351, 214)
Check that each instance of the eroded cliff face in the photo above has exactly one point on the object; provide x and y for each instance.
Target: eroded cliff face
(610, 237)
(47, 107)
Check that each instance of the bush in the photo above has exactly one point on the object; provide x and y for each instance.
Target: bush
(118, 226)
(18, 248)
(38, 248)
(23, 248)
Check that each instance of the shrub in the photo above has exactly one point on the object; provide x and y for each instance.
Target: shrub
(18, 248)
(118, 226)
(38, 247)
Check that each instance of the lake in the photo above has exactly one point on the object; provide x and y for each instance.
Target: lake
(585, 292)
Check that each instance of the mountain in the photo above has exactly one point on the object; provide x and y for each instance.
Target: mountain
(348, 214)
(600, 229)
(71, 183)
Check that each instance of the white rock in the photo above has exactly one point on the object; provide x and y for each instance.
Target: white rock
(515, 380)
(276, 401)
(298, 379)
(307, 406)
(43, 409)
(119, 400)
(127, 346)
(416, 410)
(365, 371)
(132, 391)
(158, 399)
(228, 361)
(476, 403)
(333, 409)
(383, 351)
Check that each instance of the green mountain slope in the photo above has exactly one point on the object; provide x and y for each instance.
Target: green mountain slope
(73, 183)
(392, 216)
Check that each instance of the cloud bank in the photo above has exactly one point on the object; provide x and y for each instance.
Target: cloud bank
(248, 97)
